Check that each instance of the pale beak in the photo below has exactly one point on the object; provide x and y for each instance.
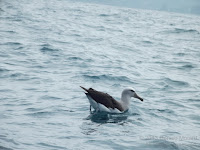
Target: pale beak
(136, 96)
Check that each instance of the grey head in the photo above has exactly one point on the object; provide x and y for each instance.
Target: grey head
(130, 92)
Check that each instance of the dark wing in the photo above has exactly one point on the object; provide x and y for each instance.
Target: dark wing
(105, 99)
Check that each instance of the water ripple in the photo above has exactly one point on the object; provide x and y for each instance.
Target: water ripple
(108, 78)
(179, 30)
(48, 49)
(176, 82)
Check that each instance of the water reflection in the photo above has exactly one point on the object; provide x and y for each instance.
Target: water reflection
(103, 117)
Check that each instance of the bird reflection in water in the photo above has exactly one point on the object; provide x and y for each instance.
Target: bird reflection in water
(104, 117)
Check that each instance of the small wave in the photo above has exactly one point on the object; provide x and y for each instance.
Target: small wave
(51, 146)
(156, 115)
(45, 45)
(13, 43)
(179, 31)
(176, 82)
(41, 114)
(9, 31)
(176, 104)
(46, 97)
(79, 10)
(194, 117)
(147, 42)
(104, 15)
(108, 77)
(194, 100)
(4, 70)
(5, 148)
(180, 54)
(14, 75)
(186, 67)
(116, 85)
(2, 10)
(163, 110)
(159, 143)
(6, 90)
(17, 76)
(47, 49)
(74, 58)
(9, 140)
(76, 35)
(33, 109)
(172, 24)
(19, 48)
(109, 15)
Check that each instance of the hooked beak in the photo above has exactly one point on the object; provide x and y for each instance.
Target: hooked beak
(136, 96)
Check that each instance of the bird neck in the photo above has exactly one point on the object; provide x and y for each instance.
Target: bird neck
(125, 100)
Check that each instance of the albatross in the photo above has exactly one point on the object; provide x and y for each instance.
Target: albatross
(103, 102)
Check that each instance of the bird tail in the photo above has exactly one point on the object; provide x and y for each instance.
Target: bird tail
(84, 88)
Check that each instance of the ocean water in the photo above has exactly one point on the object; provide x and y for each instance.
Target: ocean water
(49, 48)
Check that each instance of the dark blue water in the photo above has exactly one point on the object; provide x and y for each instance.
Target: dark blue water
(50, 48)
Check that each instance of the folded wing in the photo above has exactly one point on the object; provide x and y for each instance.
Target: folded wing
(103, 98)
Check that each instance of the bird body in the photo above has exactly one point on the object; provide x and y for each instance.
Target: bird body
(103, 102)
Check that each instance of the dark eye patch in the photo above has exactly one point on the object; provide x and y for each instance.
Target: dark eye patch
(132, 91)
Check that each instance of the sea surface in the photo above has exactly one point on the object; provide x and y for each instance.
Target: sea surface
(49, 48)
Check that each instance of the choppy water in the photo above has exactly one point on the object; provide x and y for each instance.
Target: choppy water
(49, 48)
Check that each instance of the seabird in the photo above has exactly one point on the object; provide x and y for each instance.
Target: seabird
(103, 102)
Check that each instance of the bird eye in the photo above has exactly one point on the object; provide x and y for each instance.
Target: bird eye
(132, 91)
